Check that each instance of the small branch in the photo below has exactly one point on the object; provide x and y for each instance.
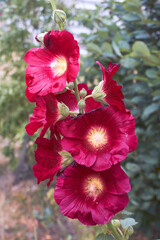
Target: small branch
(35, 234)
(72, 91)
(76, 90)
(53, 4)
(88, 96)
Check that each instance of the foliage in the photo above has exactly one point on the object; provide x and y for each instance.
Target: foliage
(128, 33)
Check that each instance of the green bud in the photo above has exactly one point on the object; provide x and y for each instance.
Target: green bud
(67, 158)
(83, 92)
(116, 223)
(70, 85)
(128, 230)
(63, 109)
(81, 104)
(40, 37)
(59, 16)
(98, 93)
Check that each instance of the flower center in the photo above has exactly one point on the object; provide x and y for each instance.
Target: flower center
(59, 66)
(97, 137)
(93, 186)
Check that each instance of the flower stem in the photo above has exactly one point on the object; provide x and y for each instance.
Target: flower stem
(53, 4)
(76, 90)
(114, 231)
(88, 96)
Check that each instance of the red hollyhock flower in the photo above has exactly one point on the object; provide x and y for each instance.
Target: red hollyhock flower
(113, 92)
(69, 99)
(99, 138)
(47, 158)
(44, 114)
(50, 67)
(112, 68)
(92, 197)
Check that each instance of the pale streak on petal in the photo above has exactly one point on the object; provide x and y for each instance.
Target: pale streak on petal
(59, 66)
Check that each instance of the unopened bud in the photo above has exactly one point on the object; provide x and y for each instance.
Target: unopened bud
(98, 93)
(40, 37)
(116, 223)
(63, 109)
(67, 158)
(70, 85)
(59, 16)
(128, 230)
(83, 92)
(81, 104)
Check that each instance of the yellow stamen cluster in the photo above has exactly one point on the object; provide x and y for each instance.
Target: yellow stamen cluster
(97, 137)
(93, 186)
(59, 66)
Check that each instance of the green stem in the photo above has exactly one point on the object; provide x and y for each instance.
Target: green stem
(53, 4)
(35, 234)
(76, 90)
(114, 231)
(88, 96)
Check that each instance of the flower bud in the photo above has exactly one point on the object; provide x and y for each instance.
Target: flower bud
(63, 109)
(70, 85)
(128, 230)
(67, 158)
(81, 104)
(83, 92)
(40, 37)
(98, 93)
(116, 223)
(59, 16)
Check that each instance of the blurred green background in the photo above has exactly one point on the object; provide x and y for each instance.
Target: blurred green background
(125, 32)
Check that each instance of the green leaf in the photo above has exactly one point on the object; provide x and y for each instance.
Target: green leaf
(107, 47)
(124, 46)
(132, 167)
(128, 222)
(131, 17)
(152, 61)
(116, 49)
(129, 63)
(102, 236)
(141, 34)
(152, 108)
(92, 47)
(151, 73)
(140, 49)
(132, 6)
(141, 78)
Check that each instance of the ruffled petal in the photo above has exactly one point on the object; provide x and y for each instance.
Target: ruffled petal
(101, 137)
(44, 115)
(50, 67)
(91, 197)
(47, 158)
(113, 92)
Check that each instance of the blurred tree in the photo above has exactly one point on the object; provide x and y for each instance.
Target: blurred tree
(127, 32)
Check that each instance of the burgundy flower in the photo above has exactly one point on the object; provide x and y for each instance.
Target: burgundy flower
(50, 67)
(99, 138)
(44, 114)
(47, 158)
(70, 100)
(112, 68)
(113, 92)
(91, 197)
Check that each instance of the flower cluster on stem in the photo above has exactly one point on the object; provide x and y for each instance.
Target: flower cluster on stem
(91, 131)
